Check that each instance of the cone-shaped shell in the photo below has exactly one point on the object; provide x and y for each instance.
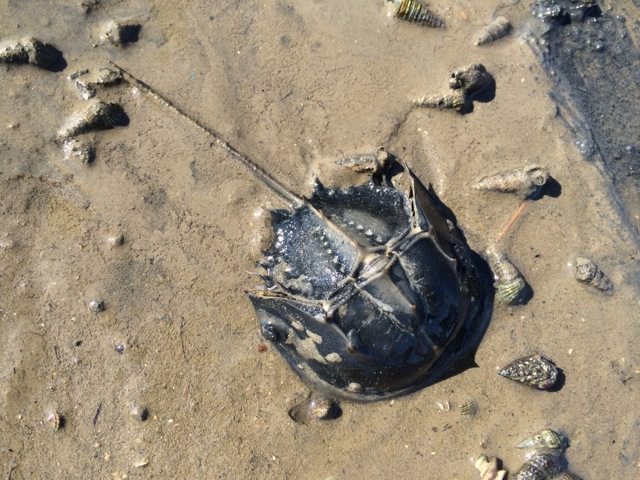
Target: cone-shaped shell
(546, 438)
(540, 467)
(525, 182)
(498, 28)
(416, 12)
(536, 371)
(589, 273)
(511, 287)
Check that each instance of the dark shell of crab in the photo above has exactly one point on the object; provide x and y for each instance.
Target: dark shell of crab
(367, 290)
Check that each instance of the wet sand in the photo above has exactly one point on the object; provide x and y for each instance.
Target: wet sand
(295, 85)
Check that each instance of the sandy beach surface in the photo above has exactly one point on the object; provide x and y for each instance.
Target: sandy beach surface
(295, 85)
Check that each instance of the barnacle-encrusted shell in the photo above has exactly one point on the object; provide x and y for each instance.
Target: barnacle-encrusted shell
(544, 466)
(416, 12)
(525, 182)
(97, 115)
(566, 476)
(546, 438)
(498, 28)
(545, 459)
(536, 371)
(511, 287)
(589, 273)
(466, 85)
(372, 163)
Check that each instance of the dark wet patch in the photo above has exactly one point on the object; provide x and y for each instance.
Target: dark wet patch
(594, 63)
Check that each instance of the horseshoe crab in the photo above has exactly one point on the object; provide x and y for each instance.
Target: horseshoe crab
(370, 291)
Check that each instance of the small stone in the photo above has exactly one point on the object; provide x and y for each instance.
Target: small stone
(142, 462)
(119, 32)
(6, 243)
(139, 412)
(80, 151)
(116, 240)
(96, 306)
(315, 408)
(95, 115)
(120, 348)
(34, 52)
(88, 82)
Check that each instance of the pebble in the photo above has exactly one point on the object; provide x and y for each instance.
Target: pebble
(33, 51)
(120, 32)
(315, 408)
(142, 462)
(139, 412)
(96, 306)
(80, 151)
(116, 240)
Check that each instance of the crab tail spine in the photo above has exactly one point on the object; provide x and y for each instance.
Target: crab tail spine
(292, 201)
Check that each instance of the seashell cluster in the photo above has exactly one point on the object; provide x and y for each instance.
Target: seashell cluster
(536, 371)
(416, 12)
(526, 182)
(511, 287)
(590, 274)
(33, 51)
(489, 469)
(497, 29)
(97, 115)
(545, 459)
